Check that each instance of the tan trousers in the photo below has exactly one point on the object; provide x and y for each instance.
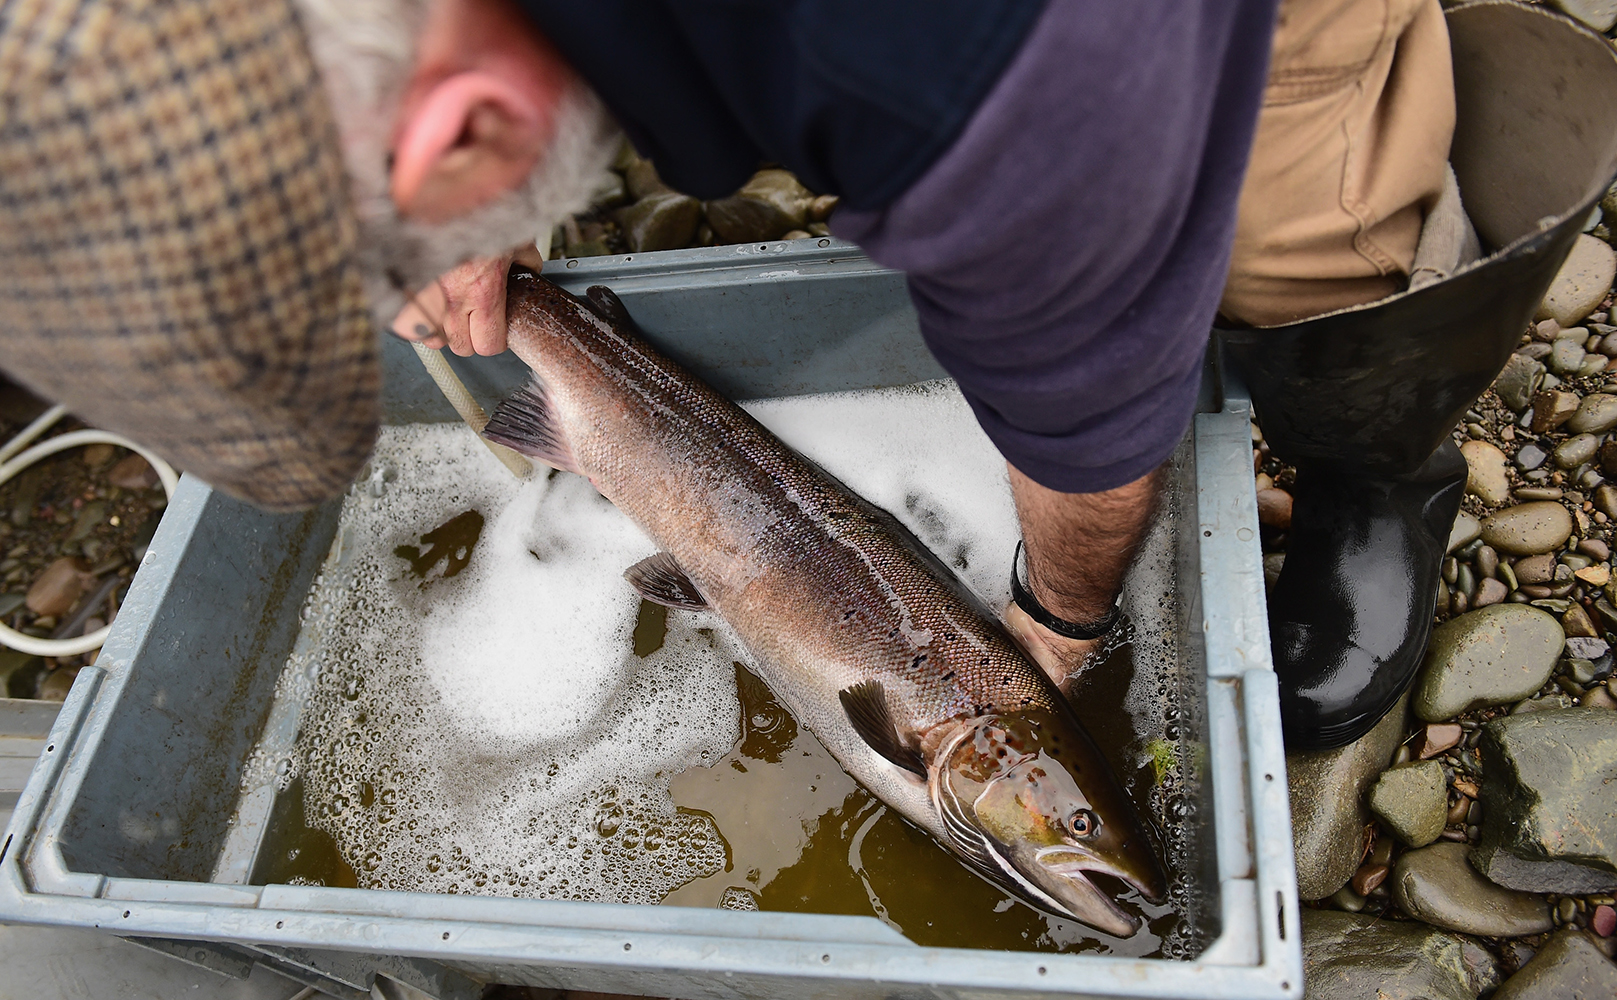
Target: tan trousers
(1350, 154)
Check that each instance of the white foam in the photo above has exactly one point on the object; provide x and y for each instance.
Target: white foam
(493, 732)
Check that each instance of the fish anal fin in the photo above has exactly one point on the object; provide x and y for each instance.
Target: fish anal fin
(526, 423)
(661, 580)
(866, 705)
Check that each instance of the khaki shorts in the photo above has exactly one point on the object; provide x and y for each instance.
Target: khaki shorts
(1350, 154)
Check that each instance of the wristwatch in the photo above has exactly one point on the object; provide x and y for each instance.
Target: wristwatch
(1060, 626)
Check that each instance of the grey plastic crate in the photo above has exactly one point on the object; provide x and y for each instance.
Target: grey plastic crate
(134, 821)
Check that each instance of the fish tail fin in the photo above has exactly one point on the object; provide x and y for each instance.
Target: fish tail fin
(526, 423)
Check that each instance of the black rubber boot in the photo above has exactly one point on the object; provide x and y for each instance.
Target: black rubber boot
(1352, 610)
(1362, 401)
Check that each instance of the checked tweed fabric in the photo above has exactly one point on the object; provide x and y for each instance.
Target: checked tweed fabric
(176, 242)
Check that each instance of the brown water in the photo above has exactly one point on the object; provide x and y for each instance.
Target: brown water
(803, 836)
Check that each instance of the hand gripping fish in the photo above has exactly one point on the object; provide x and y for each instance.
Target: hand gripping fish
(901, 671)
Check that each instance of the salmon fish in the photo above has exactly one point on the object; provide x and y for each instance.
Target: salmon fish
(899, 669)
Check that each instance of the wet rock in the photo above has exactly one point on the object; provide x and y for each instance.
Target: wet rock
(1606, 494)
(1603, 921)
(1489, 593)
(1566, 357)
(1351, 957)
(1328, 830)
(1518, 382)
(1586, 276)
(1575, 623)
(662, 221)
(58, 587)
(1595, 576)
(1366, 879)
(1552, 408)
(1465, 531)
(1586, 648)
(1568, 967)
(1549, 816)
(1438, 737)
(821, 208)
(1485, 473)
(1554, 700)
(1536, 569)
(1273, 563)
(1274, 508)
(1438, 885)
(1529, 528)
(770, 204)
(133, 473)
(1491, 656)
(97, 455)
(1530, 457)
(1597, 414)
(57, 683)
(1412, 801)
(1575, 451)
(1599, 698)
(1597, 14)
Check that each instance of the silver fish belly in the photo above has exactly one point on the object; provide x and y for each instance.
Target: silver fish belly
(903, 673)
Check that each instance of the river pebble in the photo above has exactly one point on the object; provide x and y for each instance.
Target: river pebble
(661, 221)
(1575, 451)
(56, 590)
(1491, 656)
(1549, 820)
(1486, 477)
(1466, 530)
(1438, 885)
(1528, 528)
(1348, 956)
(1519, 381)
(1552, 408)
(1412, 801)
(1568, 967)
(1584, 280)
(1566, 357)
(1274, 508)
(1328, 830)
(1597, 414)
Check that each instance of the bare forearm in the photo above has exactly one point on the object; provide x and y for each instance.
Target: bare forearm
(1079, 545)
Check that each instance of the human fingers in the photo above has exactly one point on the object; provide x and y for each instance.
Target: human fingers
(474, 296)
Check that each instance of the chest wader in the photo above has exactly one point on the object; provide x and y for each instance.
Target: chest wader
(1363, 401)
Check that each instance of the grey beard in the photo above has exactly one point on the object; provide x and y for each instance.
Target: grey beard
(399, 256)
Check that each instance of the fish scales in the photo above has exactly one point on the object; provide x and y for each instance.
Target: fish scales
(828, 591)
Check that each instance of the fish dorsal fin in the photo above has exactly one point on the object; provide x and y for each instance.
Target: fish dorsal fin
(866, 705)
(526, 423)
(661, 580)
(605, 303)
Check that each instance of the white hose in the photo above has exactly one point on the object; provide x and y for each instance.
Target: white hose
(33, 430)
(34, 645)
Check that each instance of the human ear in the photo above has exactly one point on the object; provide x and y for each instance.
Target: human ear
(468, 139)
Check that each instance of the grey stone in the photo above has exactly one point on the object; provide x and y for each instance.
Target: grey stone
(1586, 276)
(1347, 956)
(1576, 450)
(1465, 531)
(1517, 383)
(660, 221)
(1529, 528)
(1413, 801)
(1491, 656)
(1566, 357)
(1328, 816)
(1569, 967)
(1485, 472)
(1438, 885)
(1553, 700)
(1490, 592)
(1530, 456)
(1586, 648)
(1549, 801)
(1597, 414)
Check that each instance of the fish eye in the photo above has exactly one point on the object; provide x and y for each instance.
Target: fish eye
(1083, 823)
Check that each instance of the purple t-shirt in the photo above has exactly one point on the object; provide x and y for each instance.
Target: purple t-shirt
(1067, 253)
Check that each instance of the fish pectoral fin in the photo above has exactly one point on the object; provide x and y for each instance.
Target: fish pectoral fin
(661, 580)
(526, 423)
(866, 705)
(605, 303)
